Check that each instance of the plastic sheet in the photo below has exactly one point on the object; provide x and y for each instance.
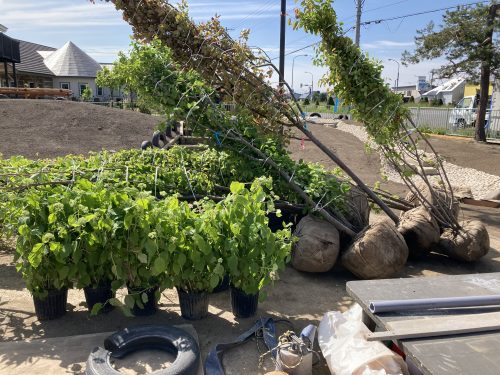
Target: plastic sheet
(342, 339)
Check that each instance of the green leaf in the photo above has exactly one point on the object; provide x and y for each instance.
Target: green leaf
(144, 297)
(35, 256)
(232, 263)
(214, 280)
(159, 266)
(96, 308)
(47, 237)
(115, 302)
(129, 301)
(52, 218)
(143, 258)
(236, 187)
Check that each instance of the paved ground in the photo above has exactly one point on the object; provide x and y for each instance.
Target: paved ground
(303, 298)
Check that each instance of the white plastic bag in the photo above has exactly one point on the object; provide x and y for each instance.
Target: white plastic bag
(342, 339)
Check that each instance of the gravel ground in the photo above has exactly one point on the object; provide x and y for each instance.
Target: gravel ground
(480, 183)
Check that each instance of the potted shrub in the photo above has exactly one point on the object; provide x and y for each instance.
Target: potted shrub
(138, 260)
(252, 253)
(94, 229)
(196, 264)
(44, 250)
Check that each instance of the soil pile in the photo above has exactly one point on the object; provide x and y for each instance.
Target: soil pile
(49, 128)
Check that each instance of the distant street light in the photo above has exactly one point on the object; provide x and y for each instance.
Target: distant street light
(312, 83)
(293, 66)
(397, 79)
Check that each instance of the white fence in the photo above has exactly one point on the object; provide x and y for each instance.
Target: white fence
(455, 121)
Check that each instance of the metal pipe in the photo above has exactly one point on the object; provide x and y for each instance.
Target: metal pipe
(432, 303)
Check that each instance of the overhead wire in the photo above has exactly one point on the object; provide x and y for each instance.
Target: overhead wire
(389, 19)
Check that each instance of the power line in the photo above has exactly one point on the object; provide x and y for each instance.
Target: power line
(268, 5)
(389, 19)
(420, 13)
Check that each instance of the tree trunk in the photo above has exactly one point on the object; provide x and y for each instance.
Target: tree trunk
(485, 77)
(480, 135)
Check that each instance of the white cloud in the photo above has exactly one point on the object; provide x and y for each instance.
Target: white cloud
(386, 44)
(49, 14)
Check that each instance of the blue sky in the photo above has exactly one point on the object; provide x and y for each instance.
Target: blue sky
(99, 30)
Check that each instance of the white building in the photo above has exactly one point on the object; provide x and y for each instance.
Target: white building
(67, 67)
(450, 92)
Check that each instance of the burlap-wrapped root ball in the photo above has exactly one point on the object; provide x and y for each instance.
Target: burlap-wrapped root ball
(358, 208)
(472, 243)
(377, 252)
(318, 246)
(439, 198)
(420, 231)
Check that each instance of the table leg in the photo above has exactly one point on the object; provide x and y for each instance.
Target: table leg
(368, 321)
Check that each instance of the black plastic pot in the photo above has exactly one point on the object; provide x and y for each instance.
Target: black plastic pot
(150, 307)
(243, 305)
(194, 306)
(53, 306)
(223, 285)
(101, 294)
(276, 223)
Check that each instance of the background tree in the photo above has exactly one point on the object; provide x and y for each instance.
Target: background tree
(86, 94)
(106, 78)
(149, 72)
(466, 41)
(323, 97)
(316, 96)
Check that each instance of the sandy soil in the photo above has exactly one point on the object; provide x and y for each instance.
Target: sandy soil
(302, 298)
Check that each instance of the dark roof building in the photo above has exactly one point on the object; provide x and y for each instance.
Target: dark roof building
(31, 59)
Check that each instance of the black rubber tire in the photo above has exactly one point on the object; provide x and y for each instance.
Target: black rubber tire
(315, 114)
(146, 144)
(170, 339)
(157, 138)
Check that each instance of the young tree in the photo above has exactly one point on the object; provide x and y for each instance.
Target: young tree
(160, 85)
(86, 94)
(106, 78)
(466, 41)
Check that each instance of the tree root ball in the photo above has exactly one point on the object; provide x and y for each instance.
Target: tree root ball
(358, 208)
(379, 251)
(470, 244)
(420, 231)
(318, 246)
(439, 197)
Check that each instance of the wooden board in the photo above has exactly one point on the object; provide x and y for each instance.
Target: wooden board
(439, 326)
(481, 202)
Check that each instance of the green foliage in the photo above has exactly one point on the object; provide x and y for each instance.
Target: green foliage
(44, 245)
(253, 254)
(323, 97)
(86, 94)
(307, 101)
(460, 40)
(108, 78)
(436, 102)
(331, 101)
(356, 77)
(160, 85)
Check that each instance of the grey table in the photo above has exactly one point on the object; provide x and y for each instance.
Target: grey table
(459, 354)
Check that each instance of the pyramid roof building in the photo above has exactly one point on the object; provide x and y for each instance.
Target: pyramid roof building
(71, 61)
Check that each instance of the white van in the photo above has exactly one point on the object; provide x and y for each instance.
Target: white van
(464, 114)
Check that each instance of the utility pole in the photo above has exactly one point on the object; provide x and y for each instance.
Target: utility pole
(282, 43)
(359, 7)
(485, 76)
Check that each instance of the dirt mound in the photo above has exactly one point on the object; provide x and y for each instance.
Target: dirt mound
(48, 128)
